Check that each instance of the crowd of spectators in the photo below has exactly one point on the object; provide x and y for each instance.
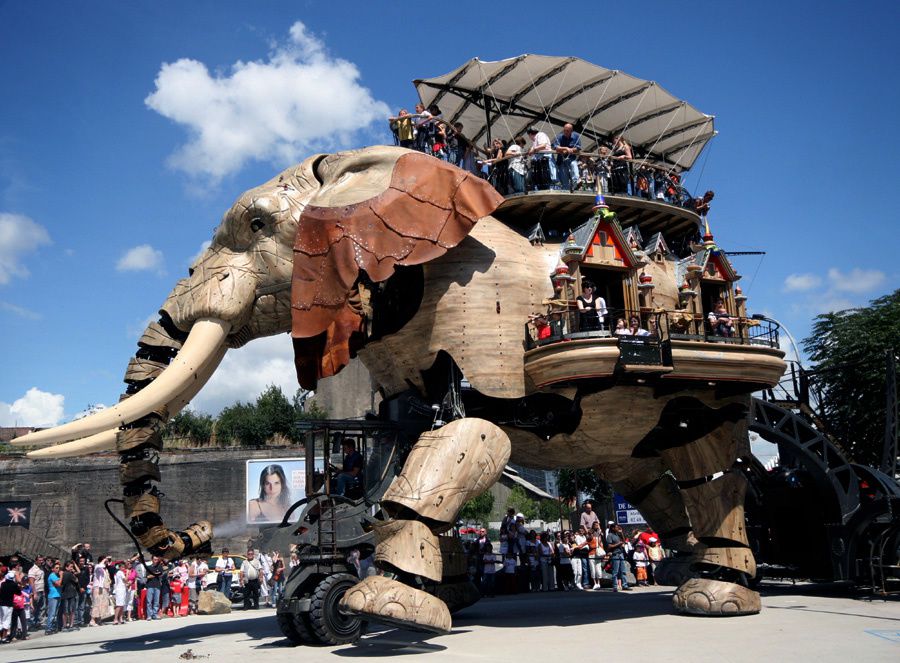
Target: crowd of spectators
(517, 166)
(63, 595)
(590, 557)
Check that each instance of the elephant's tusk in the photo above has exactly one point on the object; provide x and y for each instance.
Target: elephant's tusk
(106, 441)
(206, 338)
(88, 445)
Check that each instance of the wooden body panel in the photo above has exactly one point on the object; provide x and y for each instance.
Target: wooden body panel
(612, 423)
(754, 364)
(692, 360)
(477, 300)
(560, 362)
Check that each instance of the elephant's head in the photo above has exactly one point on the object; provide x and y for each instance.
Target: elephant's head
(287, 257)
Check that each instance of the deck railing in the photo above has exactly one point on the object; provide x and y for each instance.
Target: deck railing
(569, 325)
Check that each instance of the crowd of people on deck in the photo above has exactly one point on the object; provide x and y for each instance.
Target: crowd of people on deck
(591, 557)
(66, 594)
(538, 163)
(593, 315)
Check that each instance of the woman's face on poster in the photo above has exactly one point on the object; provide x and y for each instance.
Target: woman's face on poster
(272, 486)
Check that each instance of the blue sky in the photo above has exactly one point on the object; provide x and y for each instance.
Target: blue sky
(127, 129)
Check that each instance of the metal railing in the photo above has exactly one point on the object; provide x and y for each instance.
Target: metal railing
(533, 171)
(571, 325)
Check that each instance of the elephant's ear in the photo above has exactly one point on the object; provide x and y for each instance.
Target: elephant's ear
(377, 209)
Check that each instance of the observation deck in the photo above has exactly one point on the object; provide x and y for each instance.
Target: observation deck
(599, 191)
(669, 352)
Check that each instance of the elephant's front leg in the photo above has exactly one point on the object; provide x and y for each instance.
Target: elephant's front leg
(713, 491)
(446, 468)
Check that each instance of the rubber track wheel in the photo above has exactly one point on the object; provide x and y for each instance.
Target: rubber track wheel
(329, 625)
(296, 629)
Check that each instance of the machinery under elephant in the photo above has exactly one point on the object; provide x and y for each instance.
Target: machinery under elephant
(395, 257)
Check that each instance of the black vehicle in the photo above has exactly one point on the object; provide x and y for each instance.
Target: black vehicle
(327, 528)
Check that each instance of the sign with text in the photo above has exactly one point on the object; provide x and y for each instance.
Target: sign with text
(626, 514)
(15, 513)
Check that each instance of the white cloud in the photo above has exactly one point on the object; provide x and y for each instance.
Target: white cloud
(801, 282)
(20, 311)
(19, 236)
(35, 408)
(143, 258)
(857, 281)
(246, 372)
(89, 410)
(298, 101)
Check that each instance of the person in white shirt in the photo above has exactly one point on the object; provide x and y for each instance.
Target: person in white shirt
(202, 573)
(517, 165)
(224, 573)
(579, 553)
(251, 575)
(490, 561)
(192, 585)
(543, 163)
(265, 580)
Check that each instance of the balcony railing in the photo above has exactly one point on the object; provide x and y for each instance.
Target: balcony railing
(654, 326)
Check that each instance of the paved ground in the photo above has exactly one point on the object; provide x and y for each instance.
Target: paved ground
(808, 624)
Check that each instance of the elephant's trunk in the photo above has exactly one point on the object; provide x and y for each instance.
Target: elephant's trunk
(162, 378)
(164, 385)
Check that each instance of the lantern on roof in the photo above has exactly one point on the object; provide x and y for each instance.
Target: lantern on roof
(572, 251)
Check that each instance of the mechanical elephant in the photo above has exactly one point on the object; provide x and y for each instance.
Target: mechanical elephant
(394, 256)
(286, 257)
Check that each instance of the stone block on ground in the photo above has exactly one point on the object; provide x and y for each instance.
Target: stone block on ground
(213, 603)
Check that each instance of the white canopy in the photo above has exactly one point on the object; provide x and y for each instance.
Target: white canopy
(547, 92)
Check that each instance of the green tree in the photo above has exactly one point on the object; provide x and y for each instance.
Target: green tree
(254, 424)
(848, 351)
(241, 423)
(549, 510)
(518, 499)
(277, 412)
(196, 428)
(478, 509)
(589, 484)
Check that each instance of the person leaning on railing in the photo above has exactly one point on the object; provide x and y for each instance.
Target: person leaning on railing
(543, 166)
(567, 145)
(403, 130)
(516, 165)
(621, 165)
(720, 321)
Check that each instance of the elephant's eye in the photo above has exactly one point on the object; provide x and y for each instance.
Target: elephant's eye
(256, 225)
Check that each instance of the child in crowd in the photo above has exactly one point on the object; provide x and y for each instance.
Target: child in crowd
(489, 570)
(641, 560)
(509, 574)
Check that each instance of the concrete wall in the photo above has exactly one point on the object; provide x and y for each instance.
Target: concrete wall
(349, 394)
(67, 495)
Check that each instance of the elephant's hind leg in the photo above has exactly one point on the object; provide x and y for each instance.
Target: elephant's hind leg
(713, 492)
(446, 468)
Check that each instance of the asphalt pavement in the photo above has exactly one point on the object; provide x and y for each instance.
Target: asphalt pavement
(803, 623)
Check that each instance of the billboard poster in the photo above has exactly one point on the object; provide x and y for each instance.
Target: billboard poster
(273, 484)
(626, 514)
(15, 513)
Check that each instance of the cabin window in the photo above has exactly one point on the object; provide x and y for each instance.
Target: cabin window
(610, 285)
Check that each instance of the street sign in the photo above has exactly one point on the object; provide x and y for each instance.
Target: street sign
(626, 514)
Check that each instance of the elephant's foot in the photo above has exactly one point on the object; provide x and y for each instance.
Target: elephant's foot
(715, 598)
(458, 595)
(381, 599)
(674, 571)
